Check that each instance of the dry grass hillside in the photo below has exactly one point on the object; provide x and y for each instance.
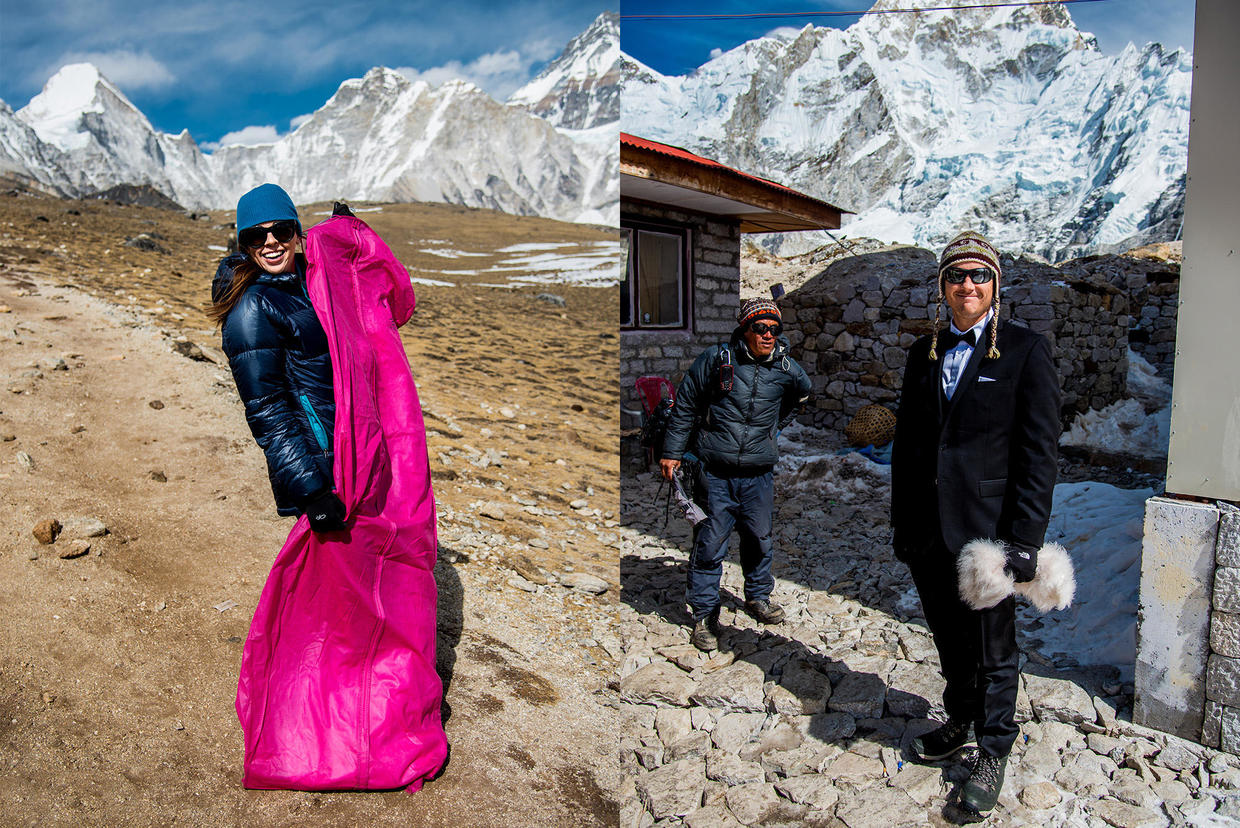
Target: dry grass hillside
(118, 666)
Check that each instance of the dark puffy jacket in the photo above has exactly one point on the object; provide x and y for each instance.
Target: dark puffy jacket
(735, 429)
(278, 353)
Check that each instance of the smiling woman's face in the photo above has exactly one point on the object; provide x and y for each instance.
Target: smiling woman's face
(273, 255)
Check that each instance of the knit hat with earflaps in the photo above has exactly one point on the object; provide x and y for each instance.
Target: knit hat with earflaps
(758, 308)
(973, 248)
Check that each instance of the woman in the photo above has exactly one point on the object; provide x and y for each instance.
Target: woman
(337, 686)
(279, 357)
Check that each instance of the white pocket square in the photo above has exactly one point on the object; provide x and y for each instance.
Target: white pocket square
(985, 379)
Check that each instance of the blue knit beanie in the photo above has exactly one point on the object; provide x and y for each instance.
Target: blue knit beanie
(267, 202)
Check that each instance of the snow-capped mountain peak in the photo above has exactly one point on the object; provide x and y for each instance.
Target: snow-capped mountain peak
(56, 114)
(580, 89)
(1006, 119)
(379, 137)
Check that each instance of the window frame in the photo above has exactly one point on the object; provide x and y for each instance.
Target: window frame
(684, 234)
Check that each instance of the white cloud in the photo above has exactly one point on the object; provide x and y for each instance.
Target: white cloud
(543, 49)
(783, 32)
(247, 136)
(715, 52)
(299, 120)
(128, 70)
(499, 74)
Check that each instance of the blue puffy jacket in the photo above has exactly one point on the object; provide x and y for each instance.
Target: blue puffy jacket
(734, 431)
(278, 353)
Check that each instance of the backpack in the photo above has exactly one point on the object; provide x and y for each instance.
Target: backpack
(654, 427)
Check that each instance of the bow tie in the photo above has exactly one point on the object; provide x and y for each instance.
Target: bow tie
(951, 339)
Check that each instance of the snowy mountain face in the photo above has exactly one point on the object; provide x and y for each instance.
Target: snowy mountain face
(1007, 120)
(379, 138)
(385, 138)
(581, 88)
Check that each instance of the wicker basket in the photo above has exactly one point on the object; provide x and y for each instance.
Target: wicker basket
(873, 425)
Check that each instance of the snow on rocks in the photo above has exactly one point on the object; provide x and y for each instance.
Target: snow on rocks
(808, 722)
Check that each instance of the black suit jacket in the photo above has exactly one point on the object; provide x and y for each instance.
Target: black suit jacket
(983, 464)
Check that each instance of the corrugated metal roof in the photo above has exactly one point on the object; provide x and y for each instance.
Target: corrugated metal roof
(627, 139)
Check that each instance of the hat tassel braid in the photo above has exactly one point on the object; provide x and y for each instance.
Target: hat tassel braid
(993, 351)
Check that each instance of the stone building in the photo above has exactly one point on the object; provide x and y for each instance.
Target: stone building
(681, 220)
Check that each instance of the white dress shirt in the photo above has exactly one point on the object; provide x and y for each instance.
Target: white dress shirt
(955, 360)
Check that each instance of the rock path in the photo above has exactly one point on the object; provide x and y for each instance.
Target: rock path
(808, 722)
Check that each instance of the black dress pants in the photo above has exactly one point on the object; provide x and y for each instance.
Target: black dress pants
(977, 649)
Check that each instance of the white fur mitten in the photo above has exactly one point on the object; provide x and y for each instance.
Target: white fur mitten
(984, 581)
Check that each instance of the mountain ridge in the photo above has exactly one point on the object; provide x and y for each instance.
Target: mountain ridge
(1009, 120)
(380, 137)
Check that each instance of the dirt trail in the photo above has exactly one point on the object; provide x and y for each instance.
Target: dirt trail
(118, 668)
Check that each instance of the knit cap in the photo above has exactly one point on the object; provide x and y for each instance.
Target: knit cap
(973, 248)
(752, 309)
(969, 247)
(266, 202)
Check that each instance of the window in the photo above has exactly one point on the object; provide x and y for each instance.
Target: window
(655, 291)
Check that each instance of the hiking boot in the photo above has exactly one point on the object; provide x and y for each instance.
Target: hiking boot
(706, 633)
(943, 741)
(765, 611)
(981, 792)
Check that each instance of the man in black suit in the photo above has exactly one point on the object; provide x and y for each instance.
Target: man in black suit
(974, 457)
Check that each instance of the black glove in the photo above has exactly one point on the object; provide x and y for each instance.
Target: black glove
(341, 209)
(1022, 562)
(325, 512)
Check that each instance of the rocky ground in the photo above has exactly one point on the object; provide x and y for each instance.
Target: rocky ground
(120, 421)
(808, 722)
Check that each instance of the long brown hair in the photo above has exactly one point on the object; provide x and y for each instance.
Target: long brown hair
(243, 275)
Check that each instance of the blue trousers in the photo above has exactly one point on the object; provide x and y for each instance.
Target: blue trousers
(747, 504)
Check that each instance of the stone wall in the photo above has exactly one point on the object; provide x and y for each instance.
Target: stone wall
(851, 327)
(1152, 286)
(713, 304)
(1156, 306)
(1221, 725)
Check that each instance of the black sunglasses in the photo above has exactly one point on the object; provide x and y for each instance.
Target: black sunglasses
(254, 237)
(980, 276)
(760, 328)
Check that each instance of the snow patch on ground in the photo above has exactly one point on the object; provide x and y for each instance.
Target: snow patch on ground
(592, 264)
(848, 477)
(1139, 425)
(532, 246)
(449, 253)
(1101, 526)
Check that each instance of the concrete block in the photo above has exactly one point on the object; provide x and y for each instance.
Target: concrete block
(1229, 730)
(1227, 589)
(1223, 680)
(1212, 726)
(1177, 568)
(1227, 551)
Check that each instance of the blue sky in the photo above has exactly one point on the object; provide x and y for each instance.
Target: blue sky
(217, 67)
(675, 47)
